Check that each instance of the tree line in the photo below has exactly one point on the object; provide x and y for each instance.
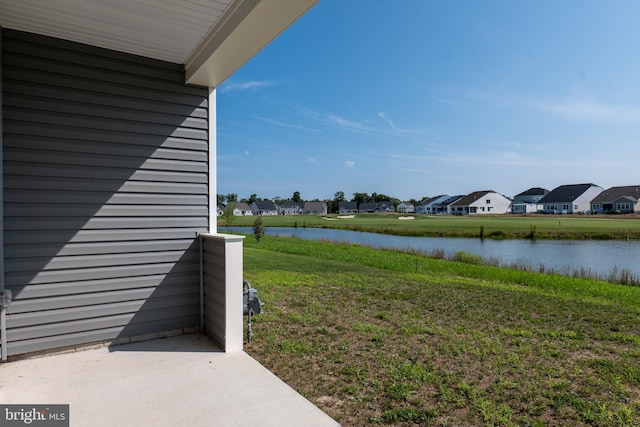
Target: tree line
(332, 204)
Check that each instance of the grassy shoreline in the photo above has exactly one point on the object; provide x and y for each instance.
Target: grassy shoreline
(577, 227)
(380, 337)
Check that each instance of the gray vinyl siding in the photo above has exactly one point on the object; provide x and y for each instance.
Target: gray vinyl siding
(105, 191)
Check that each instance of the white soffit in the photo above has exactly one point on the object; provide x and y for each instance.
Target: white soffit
(212, 38)
(162, 29)
(246, 28)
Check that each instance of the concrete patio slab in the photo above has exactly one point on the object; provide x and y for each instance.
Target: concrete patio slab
(178, 381)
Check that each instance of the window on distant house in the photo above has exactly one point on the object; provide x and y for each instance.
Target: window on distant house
(488, 201)
(565, 207)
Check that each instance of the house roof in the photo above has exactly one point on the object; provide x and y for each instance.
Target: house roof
(243, 206)
(211, 38)
(290, 204)
(432, 200)
(265, 205)
(614, 193)
(471, 197)
(348, 205)
(314, 206)
(449, 200)
(534, 191)
(377, 205)
(565, 193)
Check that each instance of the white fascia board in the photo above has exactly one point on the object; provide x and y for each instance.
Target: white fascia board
(247, 27)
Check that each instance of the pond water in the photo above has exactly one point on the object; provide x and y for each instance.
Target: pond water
(601, 257)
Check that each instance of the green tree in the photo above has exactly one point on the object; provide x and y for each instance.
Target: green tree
(361, 198)
(258, 229)
(232, 198)
(220, 198)
(227, 214)
(296, 197)
(334, 205)
(252, 198)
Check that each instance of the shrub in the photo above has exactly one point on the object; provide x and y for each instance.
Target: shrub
(258, 229)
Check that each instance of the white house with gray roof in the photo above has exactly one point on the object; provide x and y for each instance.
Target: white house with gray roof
(290, 208)
(570, 199)
(481, 203)
(528, 201)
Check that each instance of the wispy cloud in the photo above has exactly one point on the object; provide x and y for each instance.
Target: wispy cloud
(340, 122)
(286, 125)
(248, 85)
(366, 125)
(393, 126)
(589, 110)
(350, 164)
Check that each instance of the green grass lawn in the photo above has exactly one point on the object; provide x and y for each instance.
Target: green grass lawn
(378, 337)
(499, 226)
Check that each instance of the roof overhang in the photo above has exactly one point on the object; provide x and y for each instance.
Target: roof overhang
(211, 38)
(247, 27)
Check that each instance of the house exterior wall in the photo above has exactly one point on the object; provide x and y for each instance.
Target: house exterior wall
(526, 204)
(289, 209)
(525, 207)
(242, 210)
(625, 205)
(345, 210)
(264, 211)
(619, 205)
(105, 189)
(315, 208)
(490, 203)
(493, 203)
(406, 208)
(582, 204)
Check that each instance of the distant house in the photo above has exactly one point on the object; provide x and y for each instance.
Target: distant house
(264, 208)
(221, 209)
(315, 208)
(527, 201)
(290, 208)
(570, 199)
(428, 206)
(617, 200)
(481, 202)
(445, 206)
(379, 207)
(347, 208)
(242, 209)
(406, 207)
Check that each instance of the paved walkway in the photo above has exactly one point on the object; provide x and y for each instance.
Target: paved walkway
(178, 381)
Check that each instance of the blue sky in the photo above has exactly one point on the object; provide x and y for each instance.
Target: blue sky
(415, 98)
